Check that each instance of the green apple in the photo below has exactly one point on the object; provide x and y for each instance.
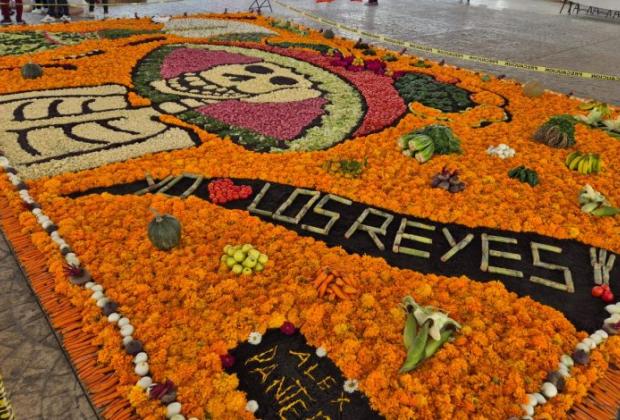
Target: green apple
(249, 262)
(254, 253)
(259, 267)
(246, 271)
(237, 269)
(231, 251)
(230, 261)
(223, 258)
(263, 258)
(239, 256)
(246, 247)
(226, 248)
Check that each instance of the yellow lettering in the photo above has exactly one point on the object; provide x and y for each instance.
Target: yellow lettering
(281, 390)
(292, 407)
(308, 372)
(341, 401)
(319, 416)
(264, 357)
(303, 357)
(264, 372)
(325, 384)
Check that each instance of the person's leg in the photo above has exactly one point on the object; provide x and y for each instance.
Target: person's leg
(6, 11)
(64, 9)
(105, 6)
(91, 6)
(19, 11)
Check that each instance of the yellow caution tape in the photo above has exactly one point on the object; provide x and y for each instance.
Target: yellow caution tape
(440, 51)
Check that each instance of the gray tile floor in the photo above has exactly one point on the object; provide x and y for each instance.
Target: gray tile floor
(35, 370)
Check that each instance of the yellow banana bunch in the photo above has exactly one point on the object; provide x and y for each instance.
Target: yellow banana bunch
(584, 163)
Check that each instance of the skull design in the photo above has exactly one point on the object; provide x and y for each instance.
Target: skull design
(258, 83)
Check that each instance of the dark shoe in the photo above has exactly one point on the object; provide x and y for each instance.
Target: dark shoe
(6, 22)
(20, 22)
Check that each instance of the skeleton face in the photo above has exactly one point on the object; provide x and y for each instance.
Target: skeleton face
(259, 82)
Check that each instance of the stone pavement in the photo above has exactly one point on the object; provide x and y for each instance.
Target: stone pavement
(34, 368)
(526, 31)
(36, 373)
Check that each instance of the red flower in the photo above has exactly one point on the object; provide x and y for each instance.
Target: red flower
(228, 360)
(287, 328)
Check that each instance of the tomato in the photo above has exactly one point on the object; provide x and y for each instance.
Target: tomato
(608, 296)
(597, 291)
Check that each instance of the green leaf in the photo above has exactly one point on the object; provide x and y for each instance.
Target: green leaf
(606, 211)
(433, 345)
(415, 354)
(411, 327)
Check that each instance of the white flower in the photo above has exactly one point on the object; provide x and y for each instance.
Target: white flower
(439, 321)
(502, 151)
(321, 352)
(255, 338)
(251, 406)
(350, 386)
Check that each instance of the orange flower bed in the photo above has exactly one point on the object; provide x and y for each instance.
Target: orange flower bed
(188, 310)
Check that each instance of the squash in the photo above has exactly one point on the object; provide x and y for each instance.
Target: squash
(31, 71)
(164, 231)
(558, 132)
(533, 89)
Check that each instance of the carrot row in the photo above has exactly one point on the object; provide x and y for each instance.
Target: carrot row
(329, 283)
(101, 382)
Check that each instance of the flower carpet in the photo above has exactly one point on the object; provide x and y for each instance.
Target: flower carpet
(233, 216)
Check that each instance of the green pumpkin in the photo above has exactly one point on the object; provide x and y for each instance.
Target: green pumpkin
(164, 231)
(31, 71)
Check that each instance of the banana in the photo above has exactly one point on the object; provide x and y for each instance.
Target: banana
(581, 166)
(573, 164)
(571, 157)
(597, 164)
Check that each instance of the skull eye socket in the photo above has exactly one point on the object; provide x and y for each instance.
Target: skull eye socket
(257, 69)
(283, 81)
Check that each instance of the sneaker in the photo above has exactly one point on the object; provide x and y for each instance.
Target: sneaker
(48, 19)
(65, 18)
(20, 22)
(6, 22)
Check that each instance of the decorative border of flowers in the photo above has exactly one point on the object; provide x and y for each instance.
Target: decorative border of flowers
(108, 307)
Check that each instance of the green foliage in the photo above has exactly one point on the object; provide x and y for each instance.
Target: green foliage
(524, 174)
(389, 57)
(444, 140)
(249, 139)
(558, 131)
(123, 33)
(322, 48)
(249, 37)
(429, 92)
(350, 168)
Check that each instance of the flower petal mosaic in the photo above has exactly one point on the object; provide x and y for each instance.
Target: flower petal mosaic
(233, 216)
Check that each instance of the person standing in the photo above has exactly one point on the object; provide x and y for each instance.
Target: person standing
(91, 8)
(40, 6)
(6, 12)
(57, 9)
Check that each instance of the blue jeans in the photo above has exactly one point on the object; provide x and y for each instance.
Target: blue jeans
(57, 8)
